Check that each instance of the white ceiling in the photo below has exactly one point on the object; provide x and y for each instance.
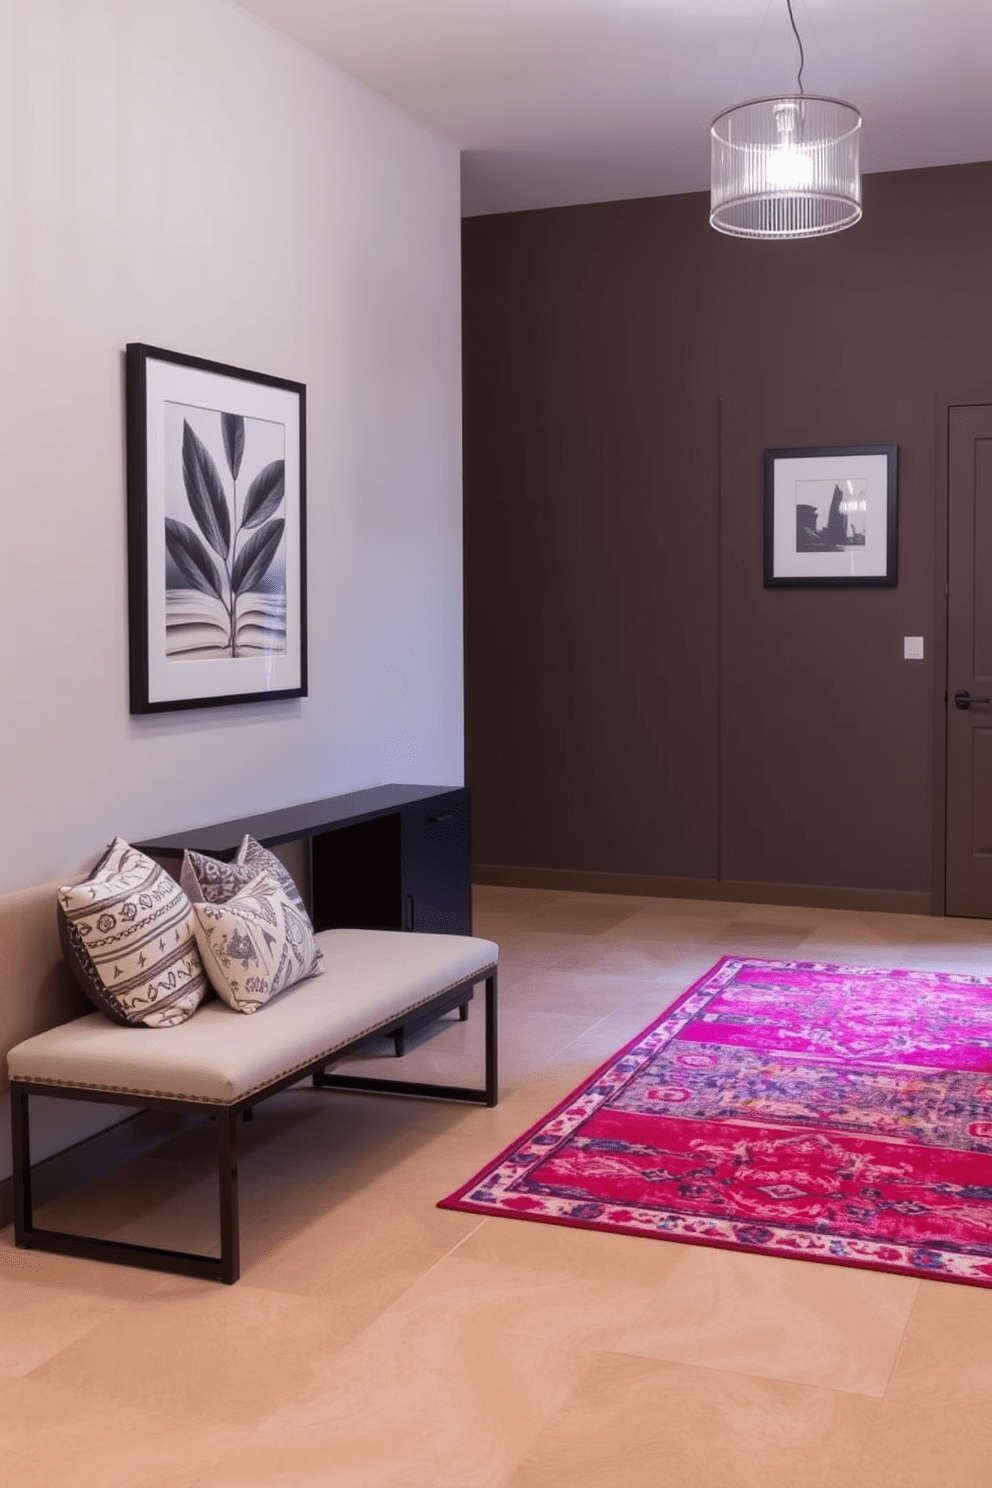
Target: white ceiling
(560, 101)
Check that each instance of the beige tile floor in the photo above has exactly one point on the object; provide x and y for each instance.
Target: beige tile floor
(375, 1340)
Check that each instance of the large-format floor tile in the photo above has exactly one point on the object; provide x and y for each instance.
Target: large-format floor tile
(802, 1321)
(30, 1334)
(420, 1400)
(937, 1422)
(634, 957)
(764, 937)
(562, 914)
(935, 956)
(52, 1436)
(656, 922)
(528, 950)
(51, 1275)
(550, 910)
(147, 1200)
(579, 991)
(642, 1421)
(230, 1354)
(581, 1258)
(538, 1302)
(365, 1251)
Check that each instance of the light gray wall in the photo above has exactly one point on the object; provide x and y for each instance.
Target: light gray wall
(176, 172)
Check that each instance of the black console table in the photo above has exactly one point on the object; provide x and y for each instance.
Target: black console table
(395, 857)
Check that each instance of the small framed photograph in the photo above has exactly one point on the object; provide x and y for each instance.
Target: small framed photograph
(831, 517)
(216, 495)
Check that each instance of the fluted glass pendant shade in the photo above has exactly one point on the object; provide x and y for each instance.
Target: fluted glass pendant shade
(786, 168)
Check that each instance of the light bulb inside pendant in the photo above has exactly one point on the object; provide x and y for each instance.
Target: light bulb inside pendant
(788, 167)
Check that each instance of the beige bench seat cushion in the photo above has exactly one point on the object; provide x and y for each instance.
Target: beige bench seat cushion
(370, 978)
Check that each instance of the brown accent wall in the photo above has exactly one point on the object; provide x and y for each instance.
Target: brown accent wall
(637, 702)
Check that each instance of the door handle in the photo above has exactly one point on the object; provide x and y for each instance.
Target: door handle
(964, 699)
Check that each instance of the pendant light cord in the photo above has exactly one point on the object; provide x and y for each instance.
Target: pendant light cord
(799, 42)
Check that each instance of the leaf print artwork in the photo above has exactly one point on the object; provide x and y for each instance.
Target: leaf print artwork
(225, 578)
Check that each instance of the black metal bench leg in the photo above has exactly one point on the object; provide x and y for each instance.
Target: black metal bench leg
(492, 1050)
(21, 1154)
(483, 1095)
(227, 1174)
(463, 1012)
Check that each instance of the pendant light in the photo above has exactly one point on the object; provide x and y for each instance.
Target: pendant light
(786, 167)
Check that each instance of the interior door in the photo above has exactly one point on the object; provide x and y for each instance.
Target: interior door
(969, 662)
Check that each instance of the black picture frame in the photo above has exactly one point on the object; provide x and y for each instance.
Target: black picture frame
(216, 508)
(831, 517)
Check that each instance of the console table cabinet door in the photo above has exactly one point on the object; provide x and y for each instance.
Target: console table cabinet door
(437, 865)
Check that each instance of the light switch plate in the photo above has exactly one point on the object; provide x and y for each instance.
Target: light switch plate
(912, 648)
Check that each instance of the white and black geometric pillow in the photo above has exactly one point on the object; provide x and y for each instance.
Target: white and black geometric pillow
(127, 937)
(207, 880)
(259, 859)
(255, 945)
(253, 855)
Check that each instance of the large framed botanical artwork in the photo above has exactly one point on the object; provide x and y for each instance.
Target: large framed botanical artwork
(216, 477)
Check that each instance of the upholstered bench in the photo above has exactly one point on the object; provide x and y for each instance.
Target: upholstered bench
(222, 1064)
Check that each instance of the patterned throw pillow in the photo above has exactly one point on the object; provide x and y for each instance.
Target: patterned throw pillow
(259, 859)
(127, 936)
(255, 945)
(253, 855)
(207, 880)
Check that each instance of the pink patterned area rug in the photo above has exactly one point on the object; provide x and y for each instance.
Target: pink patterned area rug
(830, 1113)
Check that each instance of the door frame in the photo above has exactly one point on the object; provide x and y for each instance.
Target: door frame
(969, 397)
